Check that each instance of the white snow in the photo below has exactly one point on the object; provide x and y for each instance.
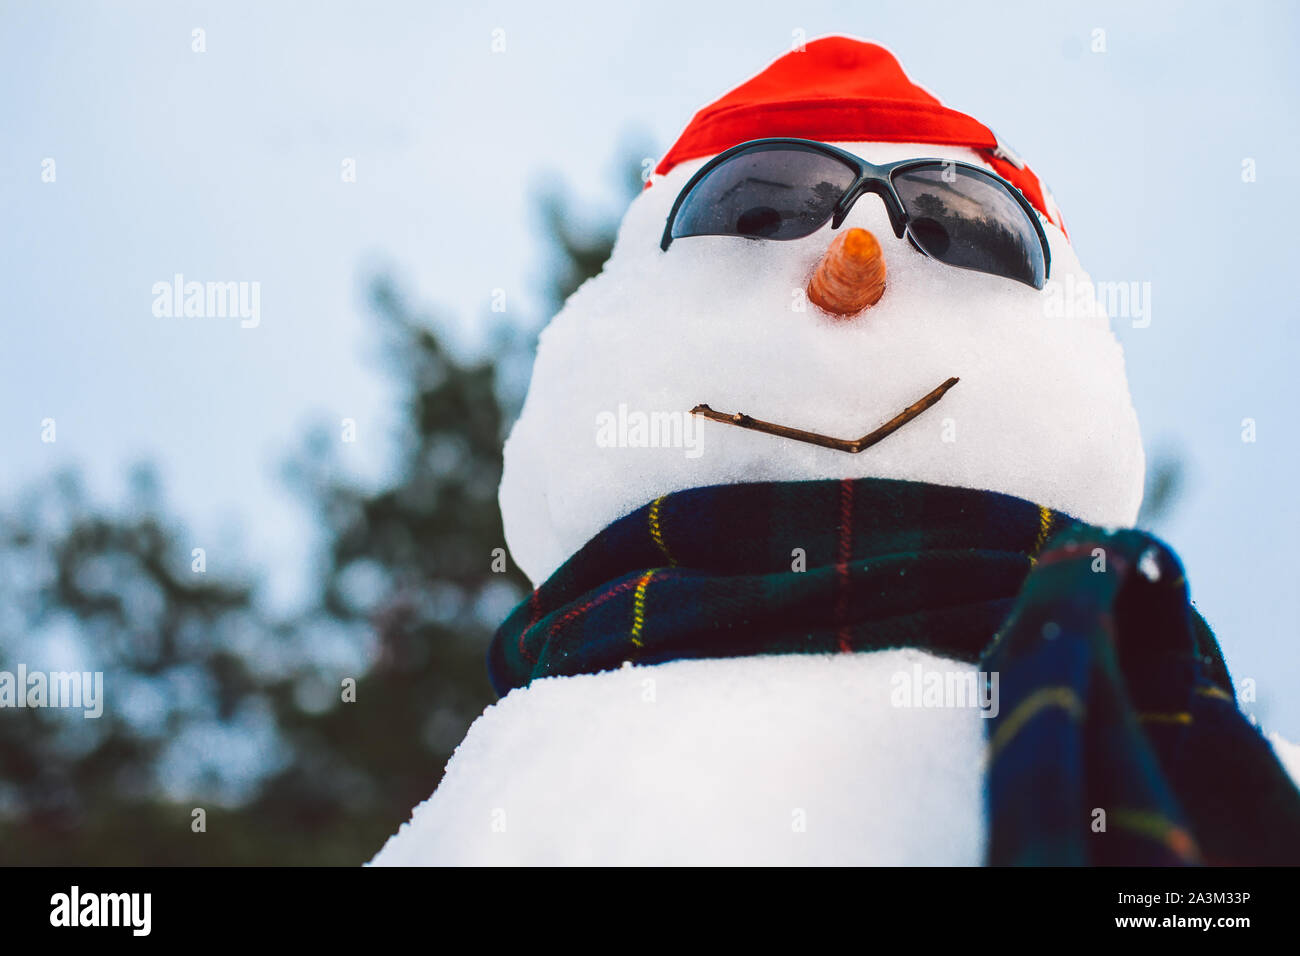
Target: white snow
(1042, 410)
(1288, 754)
(1149, 566)
(763, 760)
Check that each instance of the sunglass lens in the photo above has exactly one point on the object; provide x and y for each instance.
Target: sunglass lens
(966, 219)
(778, 193)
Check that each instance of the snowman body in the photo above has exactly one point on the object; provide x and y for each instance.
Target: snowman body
(771, 760)
(783, 758)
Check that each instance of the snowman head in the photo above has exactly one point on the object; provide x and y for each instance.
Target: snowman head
(869, 248)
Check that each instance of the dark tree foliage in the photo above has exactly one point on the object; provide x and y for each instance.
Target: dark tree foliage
(1166, 474)
(194, 662)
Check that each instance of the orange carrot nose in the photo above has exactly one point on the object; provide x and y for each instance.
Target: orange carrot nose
(851, 276)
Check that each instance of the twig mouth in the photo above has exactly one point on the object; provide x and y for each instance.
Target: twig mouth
(851, 445)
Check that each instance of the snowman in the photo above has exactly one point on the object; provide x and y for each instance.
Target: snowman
(822, 503)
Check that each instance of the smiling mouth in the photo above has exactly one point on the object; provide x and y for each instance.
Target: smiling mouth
(851, 445)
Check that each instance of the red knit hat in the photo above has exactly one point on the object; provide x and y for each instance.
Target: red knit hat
(838, 89)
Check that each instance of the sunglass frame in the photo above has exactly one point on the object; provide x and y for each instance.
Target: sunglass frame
(870, 177)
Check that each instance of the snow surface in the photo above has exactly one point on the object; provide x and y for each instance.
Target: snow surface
(711, 762)
(1288, 754)
(1042, 410)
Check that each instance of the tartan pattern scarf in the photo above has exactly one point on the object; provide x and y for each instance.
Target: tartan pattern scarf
(1117, 738)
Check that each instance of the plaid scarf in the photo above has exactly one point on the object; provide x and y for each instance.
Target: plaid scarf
(1117, 738)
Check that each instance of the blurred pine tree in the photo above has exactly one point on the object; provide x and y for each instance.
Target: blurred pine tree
(405, 579)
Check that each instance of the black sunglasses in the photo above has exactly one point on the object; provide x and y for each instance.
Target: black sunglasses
(780, 188)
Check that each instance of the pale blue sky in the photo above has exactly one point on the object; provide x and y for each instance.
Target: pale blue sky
(225, 165)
